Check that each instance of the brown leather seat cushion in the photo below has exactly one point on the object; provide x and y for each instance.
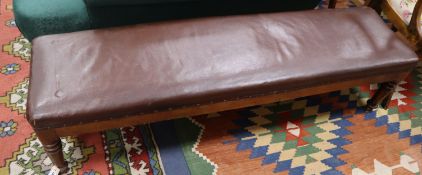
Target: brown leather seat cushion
(109, 73)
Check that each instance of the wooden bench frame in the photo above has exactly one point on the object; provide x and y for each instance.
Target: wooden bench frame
(50, 138)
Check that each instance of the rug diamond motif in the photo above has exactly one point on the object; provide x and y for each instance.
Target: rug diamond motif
(20, 47)
(303, 136)
(32, 159)
(404, 115)
(17, 97)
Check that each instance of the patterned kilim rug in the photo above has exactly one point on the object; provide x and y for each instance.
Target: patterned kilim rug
(327, 134)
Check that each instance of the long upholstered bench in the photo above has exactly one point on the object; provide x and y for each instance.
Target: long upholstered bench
(107, 78)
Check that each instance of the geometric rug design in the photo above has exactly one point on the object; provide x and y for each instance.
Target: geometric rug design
(30, 158)
(406, 162)
(20, 47)
(322, 134)
(303, 137)
(404, 114)
(16, 98)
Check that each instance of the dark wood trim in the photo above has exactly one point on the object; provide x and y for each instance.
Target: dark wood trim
(414, 22)
(397, 22)
(223, 106)
(411, 31)
(51, 138)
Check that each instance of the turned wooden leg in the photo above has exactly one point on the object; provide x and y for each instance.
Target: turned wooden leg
(375, 4)
(386, 102)
(332, 4)
(53, 146)
(419, 48)
(382, 96)
(393, 28)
